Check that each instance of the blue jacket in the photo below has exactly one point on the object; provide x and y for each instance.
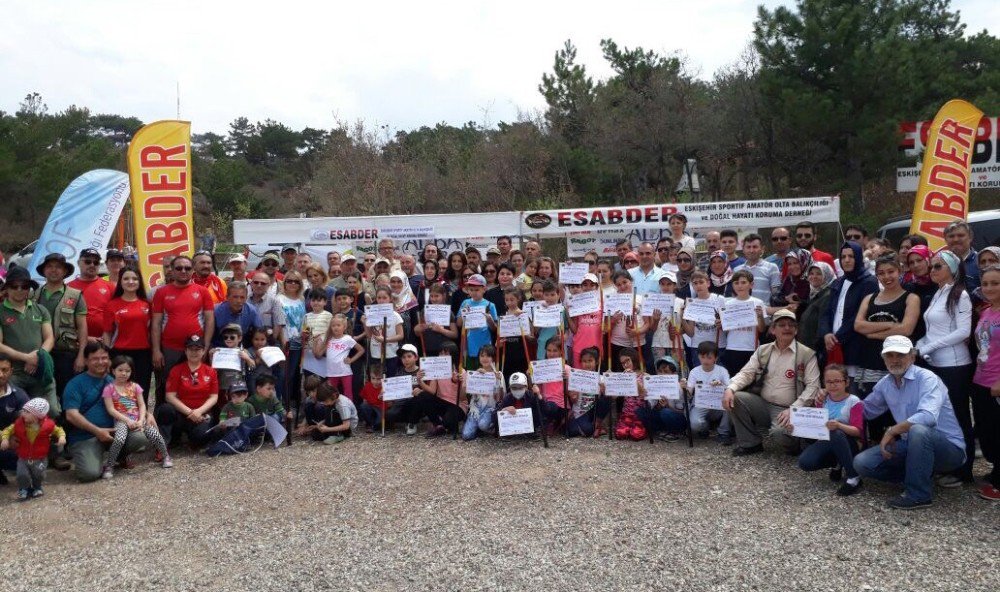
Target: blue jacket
(863, 283)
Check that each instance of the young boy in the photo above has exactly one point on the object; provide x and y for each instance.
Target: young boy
(663, 339)
(238, 406)
(741, 343)
(520, 397)
(232, 338)
(664, 415)
(332, 418)
(370, 410)
(34, 432)
(409, 410)
(317, 325)
(708, 374)
(264, 400)
(550, 292)
(475, 287)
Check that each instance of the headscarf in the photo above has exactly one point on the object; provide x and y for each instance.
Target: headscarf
(860, 270)
(796, 285)
(951, 260)
(404, 299)
(684, 277)
(727, 276)
(828, 276)
(805, 261)
(924, 252)
(994, 250)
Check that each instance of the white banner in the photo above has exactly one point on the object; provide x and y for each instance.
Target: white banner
(985, 154)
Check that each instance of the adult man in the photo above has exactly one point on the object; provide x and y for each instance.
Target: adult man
(235, 310)
(429, 253)
(332, 264)
(205, 277)
(729, 239)
(646, 277)
(622, 248)
(91, 426)
(805, 238)
(348, 268)
(302, 261)
(532, 249)
(26, 338)
(663, 250)
(766, 277)
(473, 258)
(96, 292)
(166, 277)
(713, 243)
(68, 311)
(387, 251)
(288, 253)
(958, 235)
(790, 379)
(926, 438)
(12, 399)
(188, 310)
(493, 256)
(238, 265)
(272, 314)
(269, 264)
(781, 243)
(856, 233)
(409, 266)
(114, 260)
(504, 245)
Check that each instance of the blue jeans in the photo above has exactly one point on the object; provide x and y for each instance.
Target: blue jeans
(826, 454)
(582, 426)
(474, 425)
(925, 451)
(661, 420)
(701, 419)
(370, 415)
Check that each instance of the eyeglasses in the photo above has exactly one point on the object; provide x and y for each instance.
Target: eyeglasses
(663, 249)
(779, 238)
(183, 268)
(853, 237)
(230, 337)
(90, 261)
(803, 236)
(270, 263)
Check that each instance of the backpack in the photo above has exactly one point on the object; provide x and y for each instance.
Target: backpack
(239, 439)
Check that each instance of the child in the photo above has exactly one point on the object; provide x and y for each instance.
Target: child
(344, 302)
(124, 402)
(708, 374)
(260, 337)
(629, 426)
(238, 406)
(514, 351)
(34, 431)
(440, 401)
(336, 350)
(310, 386)
(482, 407)
(411, 410)
(553, 401)
(741, 343)
(315, 328)
(664, 415)
(475, 339)
(550, 294)
(699, 332)
(587, 328)
(391, 340)
(520, 397)
(666, 322)
(332, 417)
(846, 421)
(232, 338)
(587, 409)
(370, 410)
(433, 335)
(525, 281)
(264, 400)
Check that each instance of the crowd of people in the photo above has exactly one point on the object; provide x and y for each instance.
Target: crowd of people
(901, 348)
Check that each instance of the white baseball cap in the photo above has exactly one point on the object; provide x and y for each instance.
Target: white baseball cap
(590, 277)
(518, 379)
(409, 347)
(897, 344)
(237, 258)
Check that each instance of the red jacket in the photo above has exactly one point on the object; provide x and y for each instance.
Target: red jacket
(39, 449)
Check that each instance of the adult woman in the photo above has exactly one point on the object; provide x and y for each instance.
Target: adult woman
(720, 275)
(836, 323)
(893, 311)
(945, 348)
(192, 391)
(126, 322)
(988, 257)
(453, 274)
(505, 279)
(547, 270)
(517, 260)
(795, 283)
(458, 295)
(431, 277)
(986, 381)
(685, 267)
(630, 261)
(404, 301)
(627, 331)
(605, 269)
(820, 276)
(318, 279)
(294, 307)
(355, 285)
(489, 271)
(678, 224)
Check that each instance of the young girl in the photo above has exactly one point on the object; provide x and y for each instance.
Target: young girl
(629, 426)
(124, 402)
(986, 381)
(742, 342)
(553, 401)
(604, 271)
(587, 328)
(627, 331)
(337, 349)
(441, 402)
(482, 407)
(394, 335)
(527, 277)
(33, 431)
(698, 332)
(315, 328)
(846, 421)
(514, 351)
(666, 322)
(259, 339)
(433, 334)
(587, 410)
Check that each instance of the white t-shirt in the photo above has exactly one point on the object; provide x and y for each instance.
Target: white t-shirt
(319, 325)
(744, 339)
(661, 337)
(390, 351)
(709, 332)
(347, 410)
(699, 378)
(337, 352)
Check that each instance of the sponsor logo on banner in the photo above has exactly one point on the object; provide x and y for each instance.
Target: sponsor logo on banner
(372, 234)
(985, 173)
(159, 165)
(537, 220)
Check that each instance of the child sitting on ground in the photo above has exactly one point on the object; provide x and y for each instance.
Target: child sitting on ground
(264, 400)
(238, 407)
(332, 417)
(520, 397)
(665, 415)
(482, 407)
(124, 402)
(629, 426)
(34, 431)
(232, 338)
(587, 409)
(708, 374)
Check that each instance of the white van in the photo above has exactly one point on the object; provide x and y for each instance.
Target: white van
(985, 229)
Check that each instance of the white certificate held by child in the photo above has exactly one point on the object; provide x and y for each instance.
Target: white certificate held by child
(810, 423)
(700, 311)
(522, 422)
(571, 273)
(584, 303)
(436, 367)
(656, 301)
(378, 314)
(227, 358)
(474, 318)
(480, 383)
(739, 315)
(545, 371)
(548, 316)
(584, 381)
(615, 303)
(437, 314)
(662, 386)
(514, 326)
(397, 387)
(621, 384)
(709, 396)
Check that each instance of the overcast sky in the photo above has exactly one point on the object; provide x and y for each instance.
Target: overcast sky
(400, 64)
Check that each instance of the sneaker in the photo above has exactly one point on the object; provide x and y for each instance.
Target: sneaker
(741, 451)
(847, 489)
(37, 492)
(108, 472)
(988, 492)
(168, 463)
(411, 429)
(725, 440)
(668, 437)
(334, 439)
(949, 481)
(904, 503)
(23, 494)
(836, 474)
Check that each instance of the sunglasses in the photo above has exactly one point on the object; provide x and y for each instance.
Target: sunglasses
(270, 263)
(779, 238)
(803, 236)
(183, 268)
(663, 250)
(938, 266)
(853, 237)
(90, 261)
(684, 260)
(230, 337)
(18, 287)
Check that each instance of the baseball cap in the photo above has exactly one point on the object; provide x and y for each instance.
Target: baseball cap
(348, 257)
(115, 253)
(270, 257)
(238, 386)
(670, 276)
(590, 277)
(289, 247)
(518, 379)
(89, 252)
(38, 407)
(409, 347)
(667, 360)
(381, 260)
(237, 258)
(493, 251)
(232, 328)
(476, 280)
(897, 344)
(194, 341)
(783, 314)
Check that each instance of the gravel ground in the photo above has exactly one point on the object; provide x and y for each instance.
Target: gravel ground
(409, 513)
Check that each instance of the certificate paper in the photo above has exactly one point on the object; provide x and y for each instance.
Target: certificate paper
(572, 273)
(584, 381)
(227, 358)
(810, 422)
(512, 326)
(709, 396)
(377, 314)
(618, 303)
(661, 302)
(700, 311)
(438, 314)
(738, 315)
(548, 316)
(480, 383)
(519, 423)
(474, 318)
(545, 371)
(662, 386)
(397, 387)
(271, 355)
(584, 303)
(436, 367)
(621, 384)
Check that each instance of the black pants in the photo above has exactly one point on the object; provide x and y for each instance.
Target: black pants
(734, 361)
(438, 411)
(986, 412)
(958, 381)
(172, 425)
(171, 357)
(143, 361)
(875, 427)
(62, 367)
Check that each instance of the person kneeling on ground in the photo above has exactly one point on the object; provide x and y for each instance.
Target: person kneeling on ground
(520, 397)
(332, 418)
(846, 425)
(790, 375)
(926, 438)
(664, 415)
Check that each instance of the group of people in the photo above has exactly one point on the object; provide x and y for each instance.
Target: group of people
(885, 342)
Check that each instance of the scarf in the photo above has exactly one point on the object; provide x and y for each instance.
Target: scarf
(727, 276)
(860, 271)
(804, 258)
(828, 277)
(923, 252)
(994, 250)
(684, 277)
(404, 299)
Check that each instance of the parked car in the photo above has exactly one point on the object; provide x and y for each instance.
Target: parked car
(985, 229)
